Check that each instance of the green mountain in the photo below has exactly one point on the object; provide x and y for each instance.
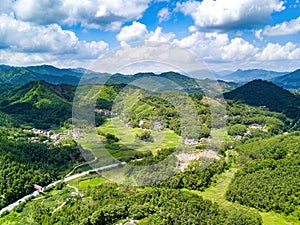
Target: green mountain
(23, 75)
(51, 70)
(165, 81)
(266, 94)
(289, 81)
(39, 103)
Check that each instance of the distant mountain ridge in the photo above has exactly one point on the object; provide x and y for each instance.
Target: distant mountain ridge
(252, 74)
(22, 75)
(289, 81)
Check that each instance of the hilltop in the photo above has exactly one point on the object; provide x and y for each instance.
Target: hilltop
(266, 94)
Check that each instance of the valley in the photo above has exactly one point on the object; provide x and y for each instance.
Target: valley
(176, 153)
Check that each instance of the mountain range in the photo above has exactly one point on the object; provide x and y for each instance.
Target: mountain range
(249, 75)
(54, 75)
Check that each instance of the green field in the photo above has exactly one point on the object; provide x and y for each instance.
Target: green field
(128, 146)
(162, 139)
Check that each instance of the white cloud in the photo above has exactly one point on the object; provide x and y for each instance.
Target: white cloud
(272, 51)
(239, 49)
(158, 35)
(148, 56)
(138, 31)
(163, 14)
(106, 14)
(25, 40)
(218, 47)
(230, 14)
(285, 28)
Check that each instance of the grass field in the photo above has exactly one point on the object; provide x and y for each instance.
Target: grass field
(162, 139)
(90, 180)
(128, 146)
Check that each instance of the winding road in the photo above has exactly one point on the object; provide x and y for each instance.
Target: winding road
(66, 179)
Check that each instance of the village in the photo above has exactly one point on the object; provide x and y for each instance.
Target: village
(50, 137)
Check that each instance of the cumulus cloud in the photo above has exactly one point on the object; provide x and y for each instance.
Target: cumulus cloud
(238, 49)
(272, 51)
(218, 47)
(138, 31)
(104, 14)
(230, 14)
(148, 56)
(285, 28)
(158, 35)
(163, 14)
(21, 38)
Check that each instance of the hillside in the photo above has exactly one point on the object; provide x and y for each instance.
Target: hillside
(249, 75)
(39, 103)
(266, 94)
(289, 81)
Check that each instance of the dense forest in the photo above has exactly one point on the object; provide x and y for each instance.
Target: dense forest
(24, 164)
(269, 177)
(108, 203)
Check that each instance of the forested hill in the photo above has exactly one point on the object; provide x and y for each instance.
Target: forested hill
(266, 94)
(38, 103)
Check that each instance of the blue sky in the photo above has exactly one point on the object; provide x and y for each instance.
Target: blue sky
(225, 34)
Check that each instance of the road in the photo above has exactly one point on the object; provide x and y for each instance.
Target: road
(66, 179)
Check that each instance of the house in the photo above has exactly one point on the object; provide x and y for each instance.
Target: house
(256, 126)
(38, 188)
(192, 141)
(238, 137)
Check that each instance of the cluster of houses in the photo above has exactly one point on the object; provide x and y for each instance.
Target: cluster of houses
(52, 137)
(105, 112)
(252, 126)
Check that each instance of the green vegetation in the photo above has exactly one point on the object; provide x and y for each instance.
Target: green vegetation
(38, 104)
(269, 177)
(37, 210)
(267, 94)
(24, 164)
(217, 193)
(23, 75)
(110, 203)
(253, 180)
(241, 116)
